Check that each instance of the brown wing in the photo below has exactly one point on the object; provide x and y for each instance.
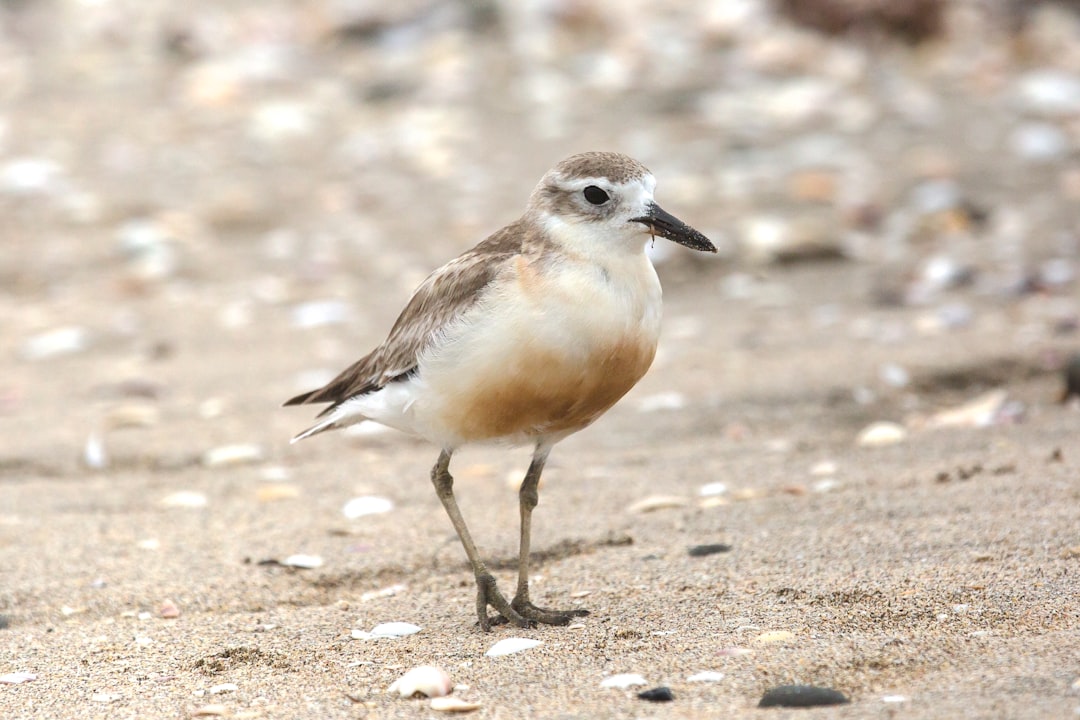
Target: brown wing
(441, 298)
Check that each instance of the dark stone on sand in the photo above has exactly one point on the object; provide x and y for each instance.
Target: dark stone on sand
(703, 550)
(4, 622)
(657, 694)
(1072, 378)
(802, 696)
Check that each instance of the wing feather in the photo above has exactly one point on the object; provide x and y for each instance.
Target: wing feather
(442, 298)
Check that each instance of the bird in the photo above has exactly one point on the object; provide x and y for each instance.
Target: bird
(525, 339)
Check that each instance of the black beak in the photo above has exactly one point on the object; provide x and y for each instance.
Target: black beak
(666, 225)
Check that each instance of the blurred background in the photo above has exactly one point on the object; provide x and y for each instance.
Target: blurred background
(197, 201)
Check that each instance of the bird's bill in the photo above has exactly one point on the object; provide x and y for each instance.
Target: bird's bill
(662, 223)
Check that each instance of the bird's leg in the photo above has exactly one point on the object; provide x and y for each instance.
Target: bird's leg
(487, 593)
(528, 497)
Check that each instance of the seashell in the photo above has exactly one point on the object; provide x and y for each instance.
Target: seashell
(106, 697)
(366, 505)
(54, 343)
(451, 704)
(426, 680)
(95, 456)
(623, 681)
(224, 688)
(712, 489)
(306, 562)
(185, 499)
(509, 646)
(706, 676)
(387, 630)
(238, 454)
(657, 502)
(880, 434)
(389, 591)
(17, 678)
(977, 413)
(774, 636)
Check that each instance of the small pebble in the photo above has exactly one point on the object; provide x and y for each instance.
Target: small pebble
(894, 698)
(426, 680)
(509, 646)
(802, 696)
(657, 694)
(210, 711)
(703, 550)
(366, 505)
(623, 681)
(451, 704)
(169, 610)
(224, 688)
(1072, 378)
(5, 622)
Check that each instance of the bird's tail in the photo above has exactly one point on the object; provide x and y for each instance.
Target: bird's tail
(332, 419)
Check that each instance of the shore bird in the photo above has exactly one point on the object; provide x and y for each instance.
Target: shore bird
(525, 339)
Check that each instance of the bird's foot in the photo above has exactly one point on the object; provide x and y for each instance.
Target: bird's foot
(525, 608)
(487, 594)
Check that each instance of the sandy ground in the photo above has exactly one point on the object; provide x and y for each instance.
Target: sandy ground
(941, 569)
(204, 214)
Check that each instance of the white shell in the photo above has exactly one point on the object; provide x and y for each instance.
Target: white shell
(657, 502)
(879, 434)
(366, 505)
(307, 562)
(387, 630)
(224, 688)
(977, 413)
(232, 455)
(426, 680)
(17, 678)
(623, 681)
(184, 499)
(712, 489)
(509, 646)
(451, 704)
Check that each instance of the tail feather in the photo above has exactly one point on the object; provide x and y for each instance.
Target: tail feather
(328, 424)
(334, 417)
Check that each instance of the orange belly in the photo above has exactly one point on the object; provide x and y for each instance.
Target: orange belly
(541, 393)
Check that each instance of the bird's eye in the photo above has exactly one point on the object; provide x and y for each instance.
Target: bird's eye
(595, 195)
